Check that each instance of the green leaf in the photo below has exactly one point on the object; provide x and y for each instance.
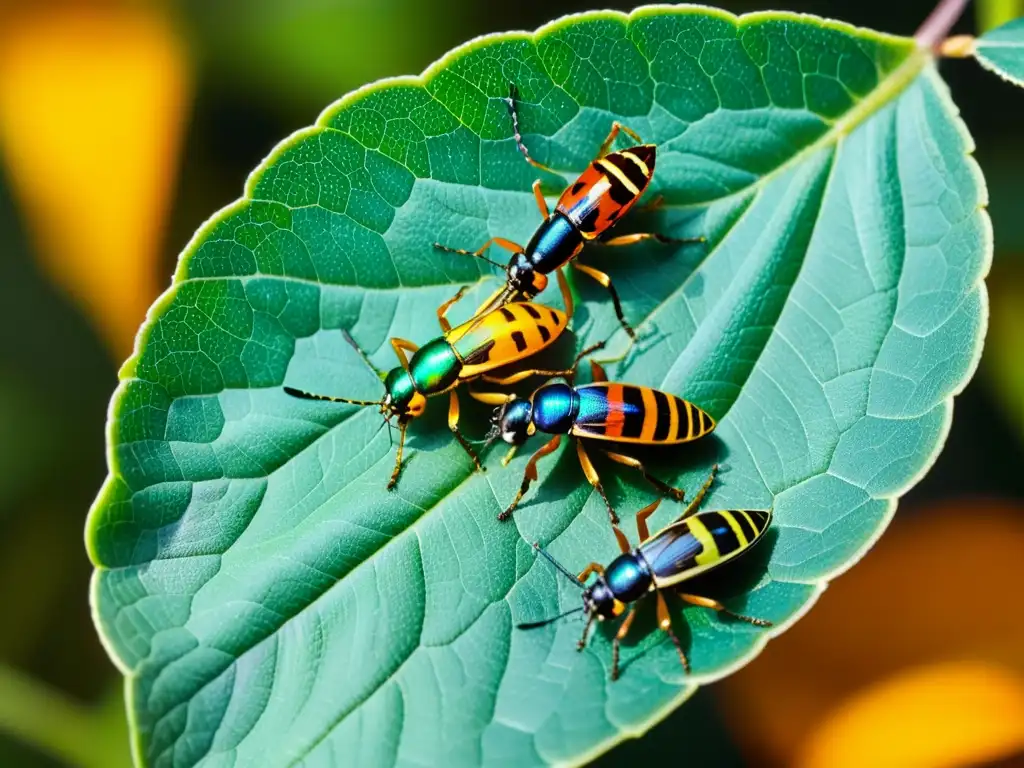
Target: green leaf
(271, 604)
(1002, 51)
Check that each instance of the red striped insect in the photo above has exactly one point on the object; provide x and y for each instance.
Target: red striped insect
(587, 209)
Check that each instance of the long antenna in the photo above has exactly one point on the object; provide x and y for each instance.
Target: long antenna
(544, 622)
(383, 423)
(302, 395)
(474, 254)
(360, 352)
(568, 574)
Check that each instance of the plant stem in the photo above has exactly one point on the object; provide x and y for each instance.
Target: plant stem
(935, 28)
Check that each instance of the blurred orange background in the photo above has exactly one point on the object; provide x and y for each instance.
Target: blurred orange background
(124, 125)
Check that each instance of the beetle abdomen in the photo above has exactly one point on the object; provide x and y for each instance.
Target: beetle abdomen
(633, 414)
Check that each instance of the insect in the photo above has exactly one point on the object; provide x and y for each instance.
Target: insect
(693, 544)
(601, 411)
(461, 354)
(601, 196)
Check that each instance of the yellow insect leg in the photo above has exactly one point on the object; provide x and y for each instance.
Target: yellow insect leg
(542, 204)
(453, 425)
(568, 373)
(613, 133)
(641, 520)
(586, 631)
(402, 426)
(676, 493)
(637, 237)
(606, 281)
(442, 311)
(591, 569)
(594, 479)
(707, 602)
(401, 346)
(695, 504)
(489, 398)
(623, 631)
(665, 622)
(530, 474)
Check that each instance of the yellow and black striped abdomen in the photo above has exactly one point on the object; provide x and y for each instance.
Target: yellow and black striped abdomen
(505, 335)
(702, 542)
(632, 414)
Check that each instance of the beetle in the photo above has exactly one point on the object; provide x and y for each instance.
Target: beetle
(600, 197)
(472, 350)
(602, 411)
(694, 544)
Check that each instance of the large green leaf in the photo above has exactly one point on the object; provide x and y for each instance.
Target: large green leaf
(271, 604)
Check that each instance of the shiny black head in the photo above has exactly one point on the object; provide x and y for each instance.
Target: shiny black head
(600, 601)
(523, 278)
(515, 421)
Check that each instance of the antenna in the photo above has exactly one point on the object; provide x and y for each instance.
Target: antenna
(565, 571)
(474, 254)
(302, 395)
(359, 351)
(544, 622)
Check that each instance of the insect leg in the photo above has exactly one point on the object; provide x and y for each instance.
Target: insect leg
(606, 281)
(656, 202)
(641, 520)
(613, 133)
(489, 398)
(597, 372)
(586, 631)
(669, 490)
(442, 311)
(401, 346)
(513, 95)
(542, 204)
(665, 622)
(620, 537)
(637, 237)
(692, 507)
(402, 425)
(591, 569)
(594, 480)
(567, 300)
(623, 631)
(707, 602)
(453, 425)
(530, 474)
(518, 376)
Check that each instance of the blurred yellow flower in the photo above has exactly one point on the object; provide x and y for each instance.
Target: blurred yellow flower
(940, 716)
(924, 628)
(92, 105)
